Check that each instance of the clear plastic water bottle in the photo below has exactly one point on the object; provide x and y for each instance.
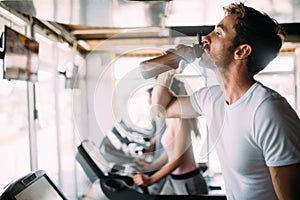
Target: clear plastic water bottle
(169, 60)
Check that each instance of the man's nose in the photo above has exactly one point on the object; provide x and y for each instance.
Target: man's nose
(205, 40)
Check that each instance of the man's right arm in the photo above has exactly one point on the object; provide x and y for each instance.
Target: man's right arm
(165, 104)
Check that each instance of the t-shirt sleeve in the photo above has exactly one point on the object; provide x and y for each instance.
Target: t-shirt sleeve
(198, 100)
(202, 100)
(276, 128)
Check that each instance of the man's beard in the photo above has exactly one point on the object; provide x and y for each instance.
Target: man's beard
(206, 62)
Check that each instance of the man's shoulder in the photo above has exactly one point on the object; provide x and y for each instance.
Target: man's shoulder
(263, 96)
(214, 89)
(273, 105)
(269, 97)
(266, 91)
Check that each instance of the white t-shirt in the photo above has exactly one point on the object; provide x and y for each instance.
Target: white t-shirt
(259, 130)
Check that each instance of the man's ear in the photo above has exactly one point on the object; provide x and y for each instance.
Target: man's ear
(242, 51)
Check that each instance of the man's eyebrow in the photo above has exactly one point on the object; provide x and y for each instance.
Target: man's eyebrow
(222, 27)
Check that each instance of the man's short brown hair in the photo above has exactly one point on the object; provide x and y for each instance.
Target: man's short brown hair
(258, 30)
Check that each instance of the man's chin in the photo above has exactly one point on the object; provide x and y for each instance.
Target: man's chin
(206, 62)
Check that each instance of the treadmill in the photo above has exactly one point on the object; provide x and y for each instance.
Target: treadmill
(116, 179)
(36, 185)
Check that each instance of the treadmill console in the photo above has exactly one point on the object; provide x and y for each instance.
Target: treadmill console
(34, 186)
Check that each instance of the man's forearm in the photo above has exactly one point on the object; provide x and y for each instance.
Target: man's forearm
(161, 95)
(162, 102)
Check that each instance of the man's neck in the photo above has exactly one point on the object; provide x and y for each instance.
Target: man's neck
(235, 84)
